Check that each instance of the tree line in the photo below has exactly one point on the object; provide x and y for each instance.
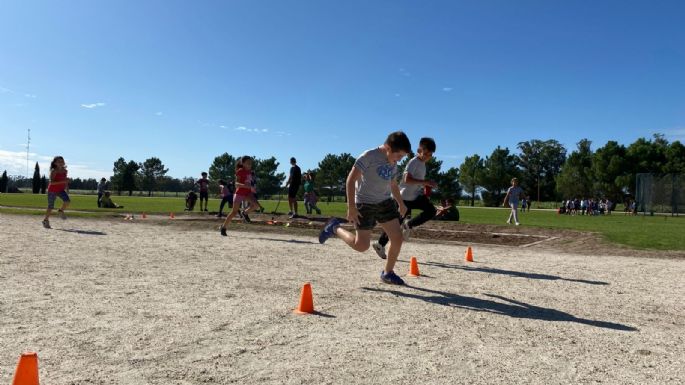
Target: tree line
(545, 170)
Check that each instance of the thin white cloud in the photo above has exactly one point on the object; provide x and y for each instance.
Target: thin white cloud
(30, 96)
(5, 90)
(159, 113)
(397, 95)
(93, 105)
(447, 89)
(222, 126)
(404, 72)
(240, 128)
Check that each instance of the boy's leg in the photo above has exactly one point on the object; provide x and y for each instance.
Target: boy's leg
(427, 210)
(360, 241)
(394, 233)
(514, 213)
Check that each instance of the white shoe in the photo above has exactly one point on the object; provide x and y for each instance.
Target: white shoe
(380, 250)
(518, 224)
(508, 222)
(406, 230)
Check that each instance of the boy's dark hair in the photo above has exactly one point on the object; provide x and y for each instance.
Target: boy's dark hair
(54, 160)
(398, 141)
(428, 144)
(293, 160)
(203, 173)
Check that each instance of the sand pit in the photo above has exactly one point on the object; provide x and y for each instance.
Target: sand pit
(114, 302)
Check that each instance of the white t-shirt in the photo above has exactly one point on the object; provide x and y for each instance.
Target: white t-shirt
(417, 169)
(377, 172)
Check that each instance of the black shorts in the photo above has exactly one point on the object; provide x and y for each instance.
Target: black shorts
(373, 213)
(204, 195)
(292, 190)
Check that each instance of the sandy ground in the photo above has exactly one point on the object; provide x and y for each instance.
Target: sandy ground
(114, 302)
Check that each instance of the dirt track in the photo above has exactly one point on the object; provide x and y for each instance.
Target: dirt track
(114, 302)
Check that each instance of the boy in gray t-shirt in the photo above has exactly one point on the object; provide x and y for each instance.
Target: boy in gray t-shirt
(412, 190)
(371, 188)
(512, 198)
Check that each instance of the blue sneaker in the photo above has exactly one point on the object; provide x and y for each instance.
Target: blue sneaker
(391, 278)
(328, 229)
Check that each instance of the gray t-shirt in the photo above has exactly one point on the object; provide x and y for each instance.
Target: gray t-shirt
(514, 193)
(374, 185)
(417, 169)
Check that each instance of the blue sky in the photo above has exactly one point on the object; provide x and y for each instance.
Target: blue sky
(188, 80)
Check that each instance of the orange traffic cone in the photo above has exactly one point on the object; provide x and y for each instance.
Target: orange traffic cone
(27, 370)
(413, 268)
(306, 305)
(143, 216)
(171, 216)
(469, 254)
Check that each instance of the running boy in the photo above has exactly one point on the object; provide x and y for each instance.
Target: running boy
(513, 194)
(58, 187)
(204, 190)
(371, 187)
(411, 188)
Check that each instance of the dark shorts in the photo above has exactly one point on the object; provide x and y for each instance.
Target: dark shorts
(376, 213)
(53, 195)
(204, 195)
(292, 190)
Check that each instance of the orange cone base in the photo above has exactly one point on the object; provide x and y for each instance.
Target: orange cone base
(306, 305)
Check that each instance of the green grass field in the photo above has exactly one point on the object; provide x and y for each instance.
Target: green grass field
(642, 232)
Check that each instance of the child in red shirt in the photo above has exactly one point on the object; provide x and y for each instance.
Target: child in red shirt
(244, 191)
(59, 186)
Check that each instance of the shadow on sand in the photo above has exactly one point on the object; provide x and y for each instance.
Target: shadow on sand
(282, 240)
(85, 232)
(511, 308)
(511, 273)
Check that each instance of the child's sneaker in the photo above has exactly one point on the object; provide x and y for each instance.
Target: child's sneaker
(329, 229)
(246, 218)
(406, 230)
(62, 214)
(379, 249)
(391, 278)
(318, 211)
(223, 231)
(46, 224)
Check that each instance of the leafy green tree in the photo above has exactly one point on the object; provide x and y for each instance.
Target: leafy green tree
(471, 175)
(498, 170)
(4, 181)
(129, 178)
(117, 179)
(448, 184)
(222, 168)
(610, 170)
(675, 158)
(150, 172)
(540, 163)
(575, 178)
(332, 173)
(36, 179)
(268, 180)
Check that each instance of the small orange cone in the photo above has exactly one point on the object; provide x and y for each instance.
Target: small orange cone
(306, 305)
(413, 268)
(144, 216)
(171, 216)
(27, 370)
(469, 254)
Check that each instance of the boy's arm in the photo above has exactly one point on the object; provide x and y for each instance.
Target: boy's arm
(409, 179)
(350, 185)
(395, 191)
(505, 199)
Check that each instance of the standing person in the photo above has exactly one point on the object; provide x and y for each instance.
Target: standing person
(514, 193)
(371, 187)
(413, 184)
(204, 190)
(59, 186)
(244, 192)
(102, 187)
(310, 198)
(293, 185)
(226, 191)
